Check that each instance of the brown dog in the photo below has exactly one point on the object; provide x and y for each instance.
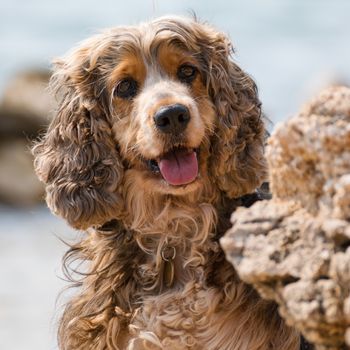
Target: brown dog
(157, 136)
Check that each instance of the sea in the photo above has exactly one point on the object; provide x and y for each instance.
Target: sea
(292, 49)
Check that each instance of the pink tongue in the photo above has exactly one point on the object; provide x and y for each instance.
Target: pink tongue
(179, 167)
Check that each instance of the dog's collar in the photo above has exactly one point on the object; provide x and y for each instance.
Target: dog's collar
(168, 254)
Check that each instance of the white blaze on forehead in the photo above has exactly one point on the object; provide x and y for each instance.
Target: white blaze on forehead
(154, 75)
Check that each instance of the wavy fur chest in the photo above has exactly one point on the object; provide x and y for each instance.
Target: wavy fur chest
(127, 303)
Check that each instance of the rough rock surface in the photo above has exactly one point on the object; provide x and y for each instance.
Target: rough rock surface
(295, 248)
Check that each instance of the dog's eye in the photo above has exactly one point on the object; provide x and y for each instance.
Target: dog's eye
(126, 88)
(187, 73)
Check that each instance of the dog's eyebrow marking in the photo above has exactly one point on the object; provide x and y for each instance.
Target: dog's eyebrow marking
(129, 65)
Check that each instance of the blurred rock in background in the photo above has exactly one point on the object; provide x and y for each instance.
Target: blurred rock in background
(25, 110)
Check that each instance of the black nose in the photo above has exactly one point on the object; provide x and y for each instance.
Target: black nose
(172, 119)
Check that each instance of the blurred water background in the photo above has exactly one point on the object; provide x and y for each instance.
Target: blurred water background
(292, 48)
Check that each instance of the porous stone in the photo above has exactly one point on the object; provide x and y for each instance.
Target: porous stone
(295, 248)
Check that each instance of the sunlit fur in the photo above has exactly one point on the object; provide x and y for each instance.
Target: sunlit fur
(93, 161)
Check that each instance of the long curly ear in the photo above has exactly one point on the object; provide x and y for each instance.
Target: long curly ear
(237, 163)
(77, 159)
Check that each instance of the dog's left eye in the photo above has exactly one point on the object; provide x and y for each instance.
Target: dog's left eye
(126, 88)
(187, 73)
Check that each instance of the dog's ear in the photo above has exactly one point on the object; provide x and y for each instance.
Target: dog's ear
(77, 158)
(237, 161)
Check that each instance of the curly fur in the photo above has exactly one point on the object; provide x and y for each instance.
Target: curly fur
(92, 161)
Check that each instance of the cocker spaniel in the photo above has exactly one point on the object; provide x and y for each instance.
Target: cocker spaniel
(157, 138)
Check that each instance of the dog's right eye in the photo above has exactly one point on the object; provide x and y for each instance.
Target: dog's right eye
(187, 73)
(126, 88)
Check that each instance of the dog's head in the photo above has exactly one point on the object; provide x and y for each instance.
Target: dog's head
(161, 104)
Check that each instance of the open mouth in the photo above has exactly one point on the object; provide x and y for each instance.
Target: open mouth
(177, 167)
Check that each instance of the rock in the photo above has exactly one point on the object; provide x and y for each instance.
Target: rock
(24, 112)
(27, 97)
(18, 183)
(295, 248)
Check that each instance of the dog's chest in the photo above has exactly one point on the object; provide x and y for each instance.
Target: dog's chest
(199, 317)
(184, 312)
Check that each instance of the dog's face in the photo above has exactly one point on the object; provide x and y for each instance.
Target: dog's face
(162, 116)
(160, 106)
